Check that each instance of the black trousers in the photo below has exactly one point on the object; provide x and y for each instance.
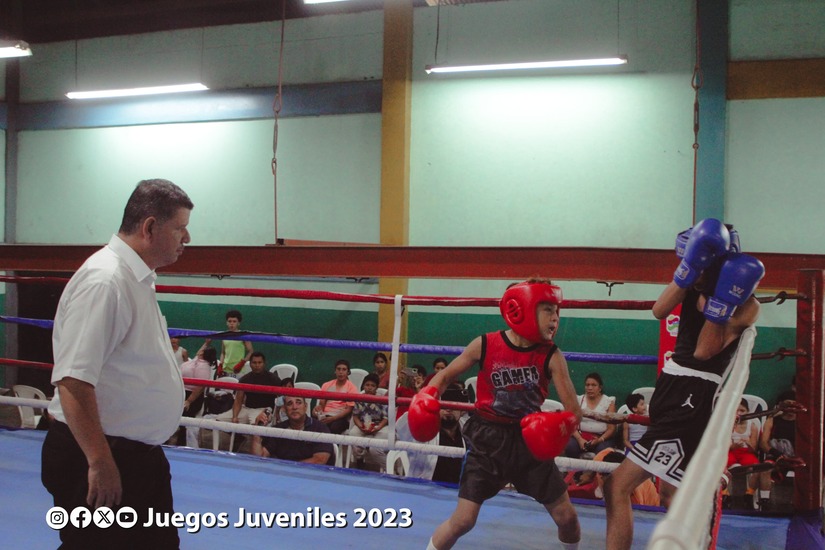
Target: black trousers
(146, 482)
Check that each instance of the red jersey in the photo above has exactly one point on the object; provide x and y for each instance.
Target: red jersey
(512, 381)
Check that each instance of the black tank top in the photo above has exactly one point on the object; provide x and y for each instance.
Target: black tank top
(691, 321)
(784, 429)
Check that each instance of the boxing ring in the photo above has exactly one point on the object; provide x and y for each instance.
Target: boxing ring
(207, 484)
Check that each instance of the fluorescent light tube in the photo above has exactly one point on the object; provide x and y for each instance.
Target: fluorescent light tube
(177, 88)
(14, 48)
(528, 65)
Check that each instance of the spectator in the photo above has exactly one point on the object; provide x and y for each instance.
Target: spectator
(180, 352)
(313, 452)
(439, 364)
(248, 405)
(405, 388)
(369, 420)
(777, 442)
(380, 367)
(631, 433)
(280, 410)
(744, 439)
(336, 414)
(592, 436)
(418, 378)
(431, 466)
(201, 368)
(234, 353)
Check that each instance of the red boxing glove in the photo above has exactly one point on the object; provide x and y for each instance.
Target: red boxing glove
(424, 416)
(546, 433)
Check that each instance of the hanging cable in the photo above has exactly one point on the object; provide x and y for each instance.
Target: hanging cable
(696, 84)
(276, 109)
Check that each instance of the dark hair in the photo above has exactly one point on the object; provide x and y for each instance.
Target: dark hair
(345, 363)
(210, 355)
(420, 370)
(454, 392)
(381, 356)
(371, 377)
(614, 457)
(156, 198)
(788, 395)
(597, 377)
(234, 313)
(257, 354)
(438, 360)
(633, 399)
(744, 403)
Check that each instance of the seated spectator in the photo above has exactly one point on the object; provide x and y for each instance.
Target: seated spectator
(381, 367)
(744, 439)
(631, 433)
(405, 388)
(777, 444)
(248, 405)
(592, 436)
(439, 364)
(369, 420)
(313, 452)
(336, 414)
(418, 378)
(645, 494)
(430, 466)
(201, 368)
(181, 355)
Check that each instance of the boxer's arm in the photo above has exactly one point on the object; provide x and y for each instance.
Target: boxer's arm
(671, 297)
(564, 386)
(714, 337)
(79, 403)
(458, 366)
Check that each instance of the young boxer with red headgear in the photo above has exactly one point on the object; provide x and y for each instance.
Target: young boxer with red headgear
(714, 283)
(508, 438)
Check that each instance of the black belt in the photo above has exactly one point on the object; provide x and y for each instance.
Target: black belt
(116, 442)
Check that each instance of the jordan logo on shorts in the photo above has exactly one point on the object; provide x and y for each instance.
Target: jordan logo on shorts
(687, 402)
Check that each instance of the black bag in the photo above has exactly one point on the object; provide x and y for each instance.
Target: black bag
(218, 402)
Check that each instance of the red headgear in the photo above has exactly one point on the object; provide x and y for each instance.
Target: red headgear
(519, 303)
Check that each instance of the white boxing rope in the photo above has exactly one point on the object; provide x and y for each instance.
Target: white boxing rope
(396, 346)
(23, 402)
(564, 464)
(686, 525)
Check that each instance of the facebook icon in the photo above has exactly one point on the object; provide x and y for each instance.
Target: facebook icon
(80, 517)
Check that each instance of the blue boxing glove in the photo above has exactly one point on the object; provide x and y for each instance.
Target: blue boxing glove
(709, 239)
(738, 279)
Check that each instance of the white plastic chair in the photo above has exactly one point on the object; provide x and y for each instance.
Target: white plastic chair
(29, 418)
(356, 376)
(756, 404)
(216, 434)
(395, 456)
(285, 370)
(551, 405)
(308, 386)
(471, 383)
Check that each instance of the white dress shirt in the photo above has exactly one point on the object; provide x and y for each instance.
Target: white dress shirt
(109, 332)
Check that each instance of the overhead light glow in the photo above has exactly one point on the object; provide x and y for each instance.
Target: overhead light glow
(152, 90)
(323, 1)
(528, 65)
(14, 48)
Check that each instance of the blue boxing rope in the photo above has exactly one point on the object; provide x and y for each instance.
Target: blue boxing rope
(355, 344)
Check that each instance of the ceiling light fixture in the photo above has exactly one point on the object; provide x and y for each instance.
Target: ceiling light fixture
(607, 61)
(152, 90)
(14, 48)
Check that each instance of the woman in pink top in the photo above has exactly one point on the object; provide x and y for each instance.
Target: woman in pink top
(200, 367)
(336, 414)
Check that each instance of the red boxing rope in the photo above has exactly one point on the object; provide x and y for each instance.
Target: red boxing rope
(345, 297)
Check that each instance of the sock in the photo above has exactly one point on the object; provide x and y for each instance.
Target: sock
(764, 494)
(430, 545)
(569, 545)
